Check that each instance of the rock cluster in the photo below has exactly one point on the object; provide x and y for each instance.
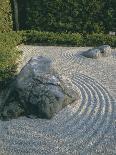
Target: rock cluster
(37, 90)
(98, 52)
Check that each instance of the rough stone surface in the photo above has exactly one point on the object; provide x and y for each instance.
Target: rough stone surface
(37, 90)
(105, 50)
(98, 52)
(9, 106)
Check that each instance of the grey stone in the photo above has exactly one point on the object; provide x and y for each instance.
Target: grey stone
(9, 106)
(105, 50)
(98, 52)
(38, 90)
(12, 110)
(92, 53)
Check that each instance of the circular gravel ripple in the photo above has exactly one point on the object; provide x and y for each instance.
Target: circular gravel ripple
(94, 120)
(80, 132)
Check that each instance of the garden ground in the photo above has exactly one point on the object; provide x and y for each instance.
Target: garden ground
(84, 127)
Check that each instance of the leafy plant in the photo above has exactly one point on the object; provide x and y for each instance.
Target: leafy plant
(82, 16)
(8, 54)
(52, 38)
(76, 39)
(5, 16)
(99, 39)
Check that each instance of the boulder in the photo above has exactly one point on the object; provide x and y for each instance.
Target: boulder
(98, 52)
(92, 53)
(38, 90)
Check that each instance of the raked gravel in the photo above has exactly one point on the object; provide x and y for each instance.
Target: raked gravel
(86, 127)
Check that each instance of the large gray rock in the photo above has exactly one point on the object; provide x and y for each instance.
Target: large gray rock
(98, 52)
(38, 90)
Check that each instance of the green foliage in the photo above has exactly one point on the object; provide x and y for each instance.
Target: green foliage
(99, 39)
(52, 38)
(75, 39)
(109, 14)
(8, 54)
(5, 16)
(83, 16)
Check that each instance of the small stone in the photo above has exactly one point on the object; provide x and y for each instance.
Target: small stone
(105, 50)
(98, 52)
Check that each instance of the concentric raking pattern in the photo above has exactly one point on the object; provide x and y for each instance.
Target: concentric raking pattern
(86, 127)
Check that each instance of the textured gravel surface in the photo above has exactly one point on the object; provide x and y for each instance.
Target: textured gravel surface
(86, 127)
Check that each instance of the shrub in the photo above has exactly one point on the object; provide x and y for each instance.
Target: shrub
(67, 15)
(5, 16)
(99, 39)
(74, 39)
(8, 54)
(52, 38)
